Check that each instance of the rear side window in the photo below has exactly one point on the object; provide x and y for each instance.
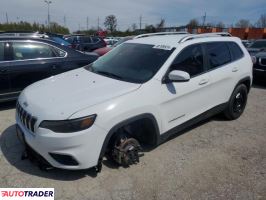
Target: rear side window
(190, 60)
(59, 52)
(218, 54)
(95, 39)
(236, 52)
(86, 39)
(26, 50)
(2, 55)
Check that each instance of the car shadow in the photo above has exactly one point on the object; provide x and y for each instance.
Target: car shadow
(7, 105)
(12, 150)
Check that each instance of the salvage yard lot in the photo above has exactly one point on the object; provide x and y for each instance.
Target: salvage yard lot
(216, 159)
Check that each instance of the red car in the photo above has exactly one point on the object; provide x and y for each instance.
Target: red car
(104, 50)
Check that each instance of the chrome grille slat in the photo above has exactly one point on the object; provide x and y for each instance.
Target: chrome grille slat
(26, 119)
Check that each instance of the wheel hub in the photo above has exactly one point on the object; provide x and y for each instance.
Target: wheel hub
(126, 151)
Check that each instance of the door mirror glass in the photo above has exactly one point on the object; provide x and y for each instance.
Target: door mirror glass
(178, 76)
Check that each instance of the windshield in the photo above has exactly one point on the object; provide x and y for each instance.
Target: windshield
(136, 63)
(258, 45)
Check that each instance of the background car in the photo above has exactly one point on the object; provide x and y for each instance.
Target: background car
(110, 42)
(86, 43)
(257, 46)
(104, 50)
(27, 60)
(50, 36)
(247, 43)
(258, 51)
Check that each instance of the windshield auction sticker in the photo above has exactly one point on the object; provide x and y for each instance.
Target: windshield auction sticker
(162, 46)
(27, 193)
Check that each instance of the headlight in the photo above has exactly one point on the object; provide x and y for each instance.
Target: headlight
(69, 126)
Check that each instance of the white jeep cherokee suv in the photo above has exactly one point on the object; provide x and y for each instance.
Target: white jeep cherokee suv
(138, 94)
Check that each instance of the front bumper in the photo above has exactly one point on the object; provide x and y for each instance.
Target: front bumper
(79, 150)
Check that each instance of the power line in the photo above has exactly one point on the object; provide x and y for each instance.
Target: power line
(204, 19)
(64, 21)
(6, 18)
(140, 21)
(87, 23)
(98, 21)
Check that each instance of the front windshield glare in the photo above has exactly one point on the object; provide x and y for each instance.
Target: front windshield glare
(136, 63)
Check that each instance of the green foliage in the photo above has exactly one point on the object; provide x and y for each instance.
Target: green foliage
(26, 26)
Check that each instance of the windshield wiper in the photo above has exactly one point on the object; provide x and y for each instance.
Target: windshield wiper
(109, 74)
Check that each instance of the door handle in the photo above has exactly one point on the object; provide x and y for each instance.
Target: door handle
(235, 69)
(203, 81)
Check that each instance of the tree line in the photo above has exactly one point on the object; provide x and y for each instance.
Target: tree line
(242, 23)
(111, 22)
(26, 26)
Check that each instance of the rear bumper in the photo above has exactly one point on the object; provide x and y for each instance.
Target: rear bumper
(80, 150)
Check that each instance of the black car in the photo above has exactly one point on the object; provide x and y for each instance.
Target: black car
(86, 43)
(258, 50)
(26, 60)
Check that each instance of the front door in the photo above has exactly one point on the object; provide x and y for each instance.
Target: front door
(185, 100)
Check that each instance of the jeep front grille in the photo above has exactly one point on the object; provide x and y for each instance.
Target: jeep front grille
(26, 119)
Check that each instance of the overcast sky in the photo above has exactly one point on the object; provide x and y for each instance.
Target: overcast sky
(175, 12)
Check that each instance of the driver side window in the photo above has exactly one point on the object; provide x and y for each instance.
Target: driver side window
(190, 60)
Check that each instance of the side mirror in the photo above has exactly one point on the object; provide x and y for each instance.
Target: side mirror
(177, 76)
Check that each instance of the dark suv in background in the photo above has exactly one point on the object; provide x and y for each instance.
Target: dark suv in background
(258, 51)
(86, 43)
(26, 60)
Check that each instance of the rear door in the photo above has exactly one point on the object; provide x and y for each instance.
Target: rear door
(4, 72)
(86, 43)
(31, 62)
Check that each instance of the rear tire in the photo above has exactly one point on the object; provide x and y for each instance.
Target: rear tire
(237, 103)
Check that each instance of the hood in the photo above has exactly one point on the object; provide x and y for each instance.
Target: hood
(58, 97)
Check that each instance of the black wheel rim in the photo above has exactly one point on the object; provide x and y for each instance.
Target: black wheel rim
(239, 102)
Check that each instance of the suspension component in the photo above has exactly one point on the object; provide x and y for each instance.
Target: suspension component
(126, 151)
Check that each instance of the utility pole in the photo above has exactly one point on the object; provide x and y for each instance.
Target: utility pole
(64, 21)
(6, 18)
(140, 22)
(87, 23)
(48, 17)
(98, 21)
(204, 19)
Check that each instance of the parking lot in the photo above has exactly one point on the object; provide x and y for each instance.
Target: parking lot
(217, 159)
